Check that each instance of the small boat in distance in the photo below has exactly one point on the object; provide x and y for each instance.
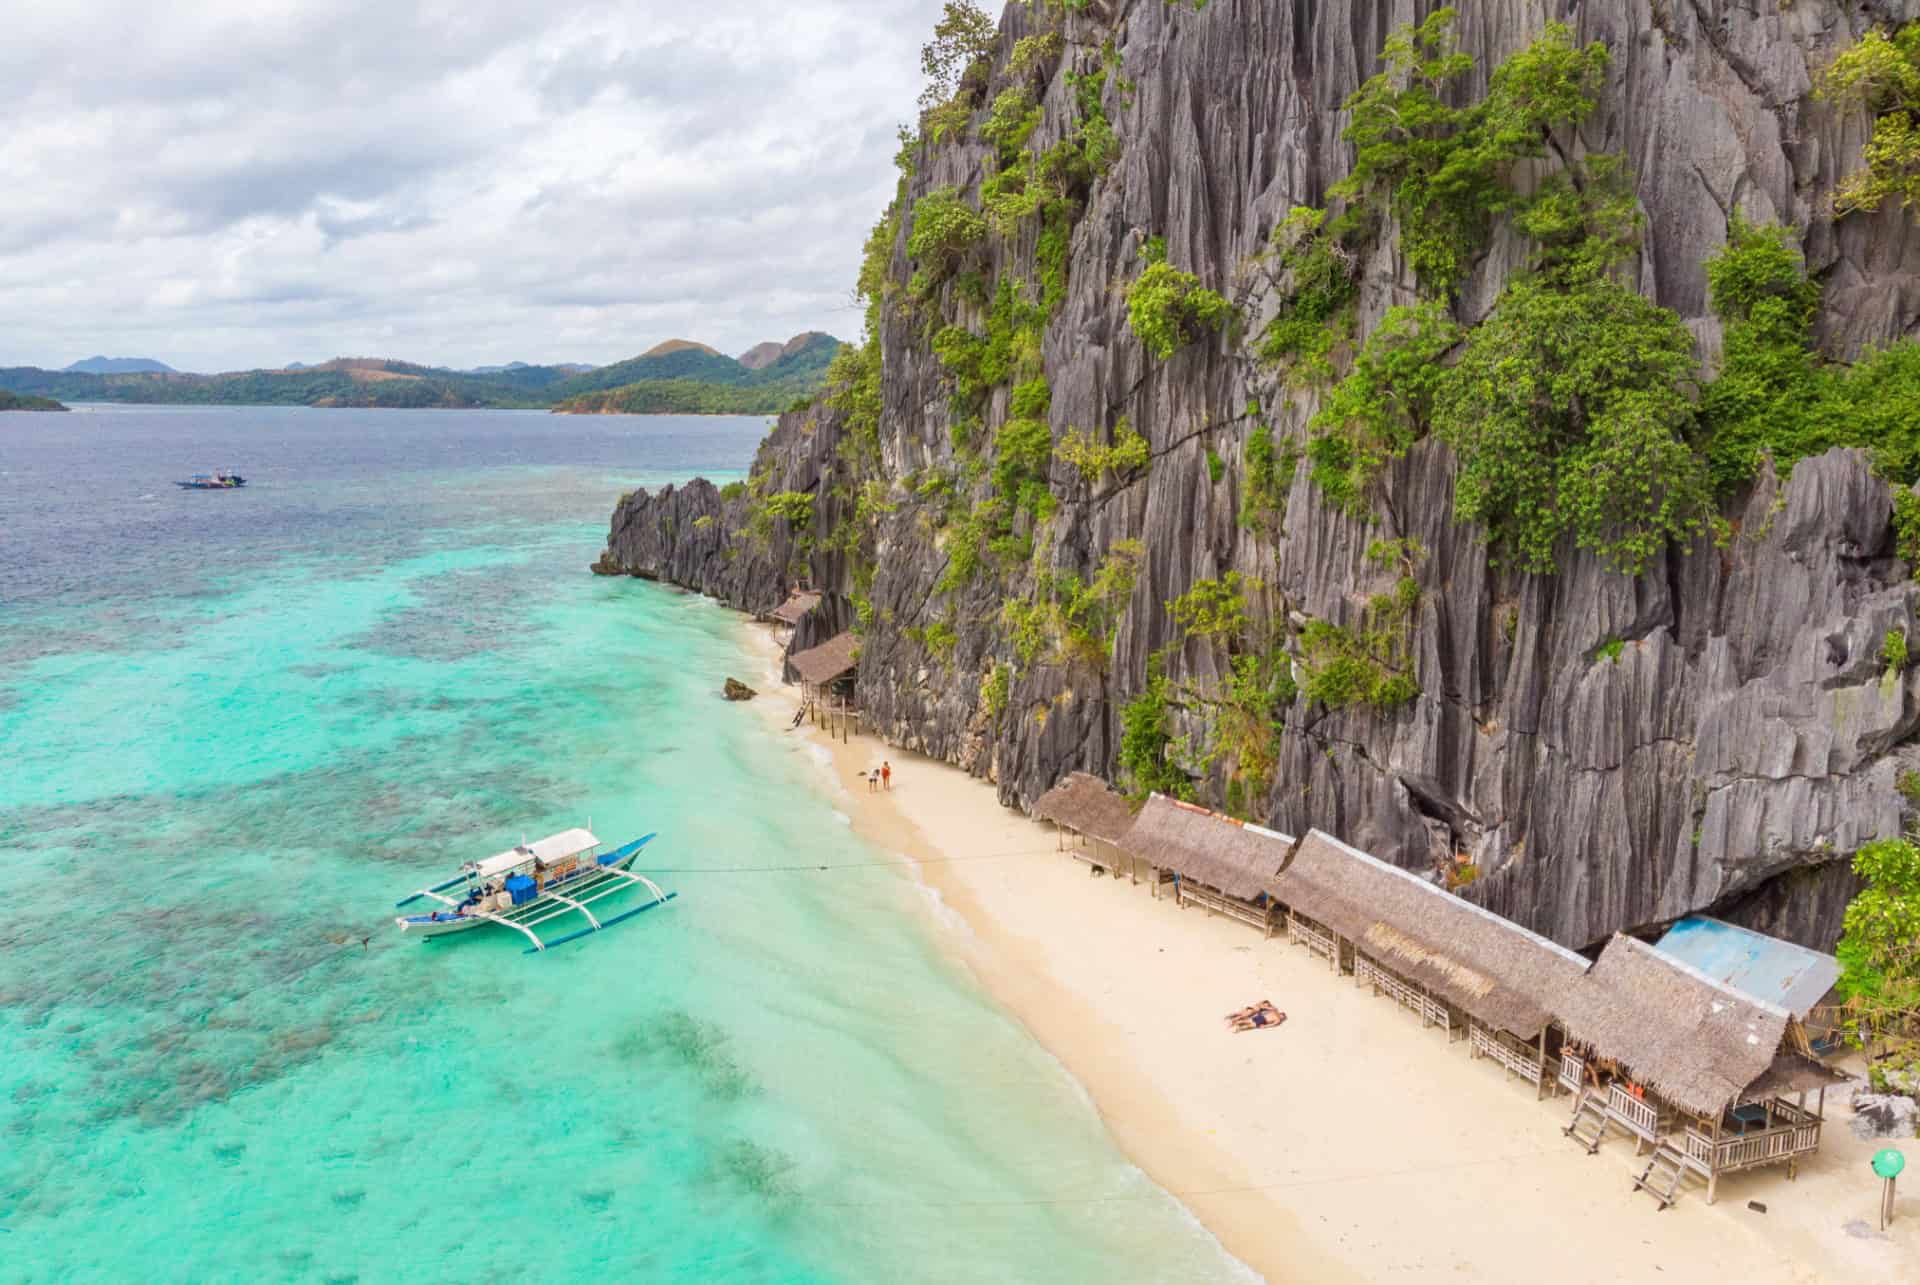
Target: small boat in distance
(529, 885)
(213, 482)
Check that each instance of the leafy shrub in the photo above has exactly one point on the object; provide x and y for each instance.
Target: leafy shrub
(1214, 608)
(945, 230)
(1128, 452)
(1383, 405)
(996, 689)
(1319, 264)
(1569, 414)
(1882, 74)
(793, 507)
(1010, 122)
(1022, 464)
(1893, 651)
(1879, 948)
(1168, 309)
(1270, 473)
(1442, 170)
(1146, 742)
(1216, 467)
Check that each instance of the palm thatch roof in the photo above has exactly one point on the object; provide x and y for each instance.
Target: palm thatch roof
(831, 659)
(1701, 1045)
(1086, 805)
(1231, 856)
(797, 605)
(1488, 967)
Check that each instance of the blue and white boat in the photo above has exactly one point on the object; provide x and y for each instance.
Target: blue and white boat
(213, 482)
(535, 883)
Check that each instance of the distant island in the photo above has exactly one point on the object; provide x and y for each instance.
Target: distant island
(689, 378)
(120, 366)
(676, 377)
(15, 401)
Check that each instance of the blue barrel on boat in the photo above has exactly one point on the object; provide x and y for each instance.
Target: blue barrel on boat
(522, 889)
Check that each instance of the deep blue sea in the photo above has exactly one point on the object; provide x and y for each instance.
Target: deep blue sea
(236, 726)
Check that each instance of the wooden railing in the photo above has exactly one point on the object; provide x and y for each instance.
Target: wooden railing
(1222, 904)
(1306, 933)
(1573, 1070)
(1525, 1062)
(1634, 1114)
(1410, 997)
(1796, 1135)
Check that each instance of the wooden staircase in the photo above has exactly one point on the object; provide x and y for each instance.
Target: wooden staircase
(1664, 1173)
(1589, 1124)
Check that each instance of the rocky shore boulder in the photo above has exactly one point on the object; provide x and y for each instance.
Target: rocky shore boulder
(735, 690)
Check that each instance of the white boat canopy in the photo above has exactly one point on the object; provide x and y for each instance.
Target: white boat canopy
(555, 847)
(568, 843)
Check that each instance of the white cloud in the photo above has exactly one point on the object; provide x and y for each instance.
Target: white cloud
(249, 183)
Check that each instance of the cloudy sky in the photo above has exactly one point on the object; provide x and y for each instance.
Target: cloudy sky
(224, 184)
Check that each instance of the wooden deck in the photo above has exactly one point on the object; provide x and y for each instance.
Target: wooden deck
(1796, 1134)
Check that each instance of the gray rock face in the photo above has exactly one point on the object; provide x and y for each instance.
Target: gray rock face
(1884, 1115)
(1745, 738)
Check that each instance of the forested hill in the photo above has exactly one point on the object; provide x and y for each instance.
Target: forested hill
(677, 377)
(14, 401)
(695, 377)
(1486, 433)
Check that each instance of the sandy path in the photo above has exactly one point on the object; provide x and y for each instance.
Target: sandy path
(1350, 1143)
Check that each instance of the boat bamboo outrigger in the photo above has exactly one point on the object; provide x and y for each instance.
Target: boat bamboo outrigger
(534, 884)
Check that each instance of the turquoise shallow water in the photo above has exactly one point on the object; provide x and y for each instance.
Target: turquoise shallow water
(235, 727)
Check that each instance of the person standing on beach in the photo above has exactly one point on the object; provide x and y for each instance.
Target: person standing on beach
(886, 775)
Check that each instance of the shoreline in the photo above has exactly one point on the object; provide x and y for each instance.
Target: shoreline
(1349, 1144)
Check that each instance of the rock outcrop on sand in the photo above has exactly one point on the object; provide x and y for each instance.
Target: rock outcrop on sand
(1718, 733)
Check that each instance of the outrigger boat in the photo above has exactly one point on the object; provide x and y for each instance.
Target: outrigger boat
(533, 884)
(213, 482)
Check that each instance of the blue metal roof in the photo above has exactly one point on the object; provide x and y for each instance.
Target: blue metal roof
(1778, 972)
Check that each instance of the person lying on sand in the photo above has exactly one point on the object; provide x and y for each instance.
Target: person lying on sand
(1260, 1016)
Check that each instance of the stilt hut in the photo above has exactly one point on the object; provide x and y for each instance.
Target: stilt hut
(1085, 807)
(826, 675)
(1689, 1065)
(1455, 965)
(798, 604)
(1212, 860)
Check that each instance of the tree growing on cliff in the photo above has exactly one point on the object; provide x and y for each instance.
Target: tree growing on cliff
(963, 36)
(1882, 74)
(1879, 948)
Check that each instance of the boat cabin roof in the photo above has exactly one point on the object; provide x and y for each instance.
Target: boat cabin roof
(554, 847)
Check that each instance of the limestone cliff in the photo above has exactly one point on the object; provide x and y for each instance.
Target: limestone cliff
(1604, 751)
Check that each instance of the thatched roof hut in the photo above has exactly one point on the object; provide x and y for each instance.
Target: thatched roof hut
(1086, 805)
(1237, 859)
(832, 659)
(1487, 967)
(1701, 1045)
(798, 604)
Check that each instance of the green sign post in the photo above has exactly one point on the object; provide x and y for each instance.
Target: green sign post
(1888, 1163)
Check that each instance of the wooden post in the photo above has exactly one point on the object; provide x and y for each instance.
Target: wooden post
(1541, 1082)
(1713, 1163)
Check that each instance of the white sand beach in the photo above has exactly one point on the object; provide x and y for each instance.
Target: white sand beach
(1350, 1143)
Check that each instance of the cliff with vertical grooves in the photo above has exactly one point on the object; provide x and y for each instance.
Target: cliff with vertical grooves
(1605, 751)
